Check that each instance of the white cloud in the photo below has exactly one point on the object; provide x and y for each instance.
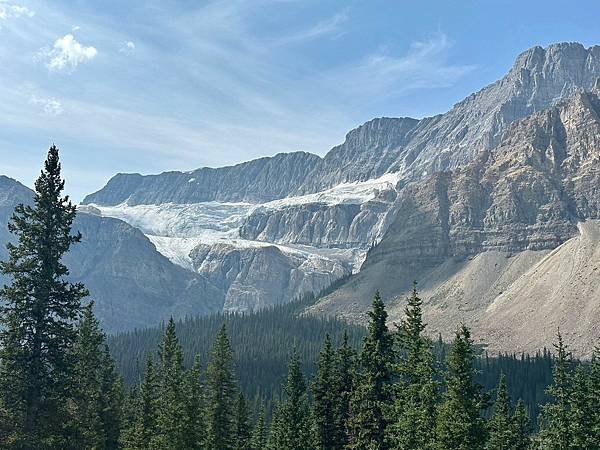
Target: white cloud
(12, 10)
(127, 47)
(328, 27)
(67, 54)
(50, 106)
(425, 65)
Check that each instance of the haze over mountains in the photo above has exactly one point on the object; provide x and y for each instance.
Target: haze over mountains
(490, 206)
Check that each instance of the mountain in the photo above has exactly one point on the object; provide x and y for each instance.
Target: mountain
(472, 203)
(132, 284)
(508, 243)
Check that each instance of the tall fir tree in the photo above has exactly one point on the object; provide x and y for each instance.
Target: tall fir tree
(221, 395)
(372, 399)
(555, 419)
(594, 396)
(501, 431)
(194, 426)
(97, 392)
(38, 316)
(582, 410)
(345, 373)
(325, 400)
(521, 427)
(259, 434)
(414, 413)
(171, 408)
(142, 430)
(243, 430)
(291, 427)
(460, 425)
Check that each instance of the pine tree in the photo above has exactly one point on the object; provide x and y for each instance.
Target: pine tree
(521, 427)
(97, 398)
(581, 410)
(194, 427)
(222, 392)
(325, 400)
(594, 397)
(417, 390)
(555, 420)
(259, 435)
(373, 397)
(291, 424)
(459, 424)
(38, 316)
(345, 376)
(501, 432)
(243, 433)
(143, 429)
(171, 415)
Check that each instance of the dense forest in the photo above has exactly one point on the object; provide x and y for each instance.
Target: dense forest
(345, 387)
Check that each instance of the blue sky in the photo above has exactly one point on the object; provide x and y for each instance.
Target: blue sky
(148, 86)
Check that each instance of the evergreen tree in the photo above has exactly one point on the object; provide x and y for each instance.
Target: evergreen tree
(373, 396)
(594, 397)
(521, 427)
(501, 431)
(345, 375)
(243, 432)
(222, 392)
(171, 413)
(38, 315)
(555, 420)
(259, 435)
(581, 410)
(143, 429)
(194, 427)
(325, 400)
(97, 392)
(417, 390)
(291, 424)
(460, 425)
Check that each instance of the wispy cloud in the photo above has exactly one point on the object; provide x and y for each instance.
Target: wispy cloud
(332, 26)
(49, 106)
(424, 65)
(66, 54)
(12, 10)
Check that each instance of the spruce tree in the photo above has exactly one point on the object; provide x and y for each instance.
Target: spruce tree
(221, 395)
(521, 427)
(243, 431)
(38, 316)
(417, 390)
(194, 426)
(291, 428)
(594, 397)
(555, 419)
(171, 412)
(372, 399)
(259, 434)
(143, 431)
(501, 432)
(459, 424)
(345, 376)
(97, 392)
(582, 410)
(325, 400)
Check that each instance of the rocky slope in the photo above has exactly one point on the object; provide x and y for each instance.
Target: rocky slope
(535, 191)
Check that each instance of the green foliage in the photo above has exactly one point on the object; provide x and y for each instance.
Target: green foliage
(414, 414)
(243, 430)
(291, 428)
(38, 316)
(194, 425)
(460, 424)
(325, 400)
(221, 395)
(259, 435)
(372, 397)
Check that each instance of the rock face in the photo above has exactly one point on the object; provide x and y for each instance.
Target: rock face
(480, 204)
(132, 284)
(529, 194)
